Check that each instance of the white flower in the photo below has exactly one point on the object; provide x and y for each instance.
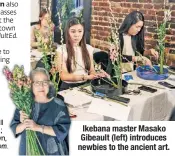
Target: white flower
(167, 15)
(77, 11)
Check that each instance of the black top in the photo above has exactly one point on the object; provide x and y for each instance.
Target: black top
(54, 114)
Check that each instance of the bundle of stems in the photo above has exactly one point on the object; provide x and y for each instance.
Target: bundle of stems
(161, 34)
(116, 62)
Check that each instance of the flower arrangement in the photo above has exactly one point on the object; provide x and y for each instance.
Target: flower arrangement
(49, 48)
(21, 95)
(161, 33)
(116, 58)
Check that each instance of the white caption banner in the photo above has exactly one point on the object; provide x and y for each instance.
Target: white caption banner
(121, 138)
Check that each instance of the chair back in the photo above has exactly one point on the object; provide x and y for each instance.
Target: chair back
(101, 57)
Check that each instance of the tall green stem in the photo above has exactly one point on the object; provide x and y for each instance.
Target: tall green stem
(161, 62)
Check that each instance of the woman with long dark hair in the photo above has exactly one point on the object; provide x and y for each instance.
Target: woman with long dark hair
(42, 28)
(75, 58)
(131, 37)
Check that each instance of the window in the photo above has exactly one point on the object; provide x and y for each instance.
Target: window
(78, 3)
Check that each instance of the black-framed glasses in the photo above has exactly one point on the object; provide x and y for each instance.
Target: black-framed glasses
(39, 83)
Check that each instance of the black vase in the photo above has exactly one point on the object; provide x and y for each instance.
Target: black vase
(102, 86)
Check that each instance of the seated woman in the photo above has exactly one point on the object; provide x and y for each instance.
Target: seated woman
(131, 37)
(75, 59)
(42, 31)
(50, 118)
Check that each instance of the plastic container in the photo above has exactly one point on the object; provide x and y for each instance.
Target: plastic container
(128, 77)
(145, 72)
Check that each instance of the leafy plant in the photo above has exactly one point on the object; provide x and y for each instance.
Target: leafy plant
(116, 62)
(161, 33)
(48, 48)
(64, 7)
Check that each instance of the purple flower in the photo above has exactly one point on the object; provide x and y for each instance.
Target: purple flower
(8, 74)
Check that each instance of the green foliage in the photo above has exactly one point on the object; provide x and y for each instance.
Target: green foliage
(161, 33)
(65, 8)
(48, 48)
(114, 39)
(116, 63)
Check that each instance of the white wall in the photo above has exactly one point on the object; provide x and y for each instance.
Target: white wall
(35, 10)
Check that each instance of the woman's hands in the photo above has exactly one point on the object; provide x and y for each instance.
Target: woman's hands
(147, 62)
(101, 74)
(22, 126)
(27, 123)
(151, 52)
(31, 125)
(23, 116)
(154, 53)
(142, 60)
(91, 77)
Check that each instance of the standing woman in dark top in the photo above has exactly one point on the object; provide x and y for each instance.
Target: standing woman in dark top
(50, 117)
(131, 37)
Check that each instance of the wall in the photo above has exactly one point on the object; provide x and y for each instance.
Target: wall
(35, 12)
(43, 3)
(100, 28)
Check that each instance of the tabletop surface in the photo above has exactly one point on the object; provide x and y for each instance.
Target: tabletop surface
(144, 106)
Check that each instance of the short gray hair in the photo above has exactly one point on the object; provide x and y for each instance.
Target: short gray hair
(52, 91)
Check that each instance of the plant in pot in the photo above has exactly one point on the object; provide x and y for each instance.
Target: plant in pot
(161, 33)
(158, 72)
(113, 85)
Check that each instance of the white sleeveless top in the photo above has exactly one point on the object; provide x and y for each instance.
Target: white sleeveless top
(80, 68)
(127, 50)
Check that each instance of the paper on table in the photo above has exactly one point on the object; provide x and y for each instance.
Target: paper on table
(109, 108)
(76, 98)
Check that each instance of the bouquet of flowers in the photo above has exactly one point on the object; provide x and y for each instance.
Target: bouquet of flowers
(21, 95)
